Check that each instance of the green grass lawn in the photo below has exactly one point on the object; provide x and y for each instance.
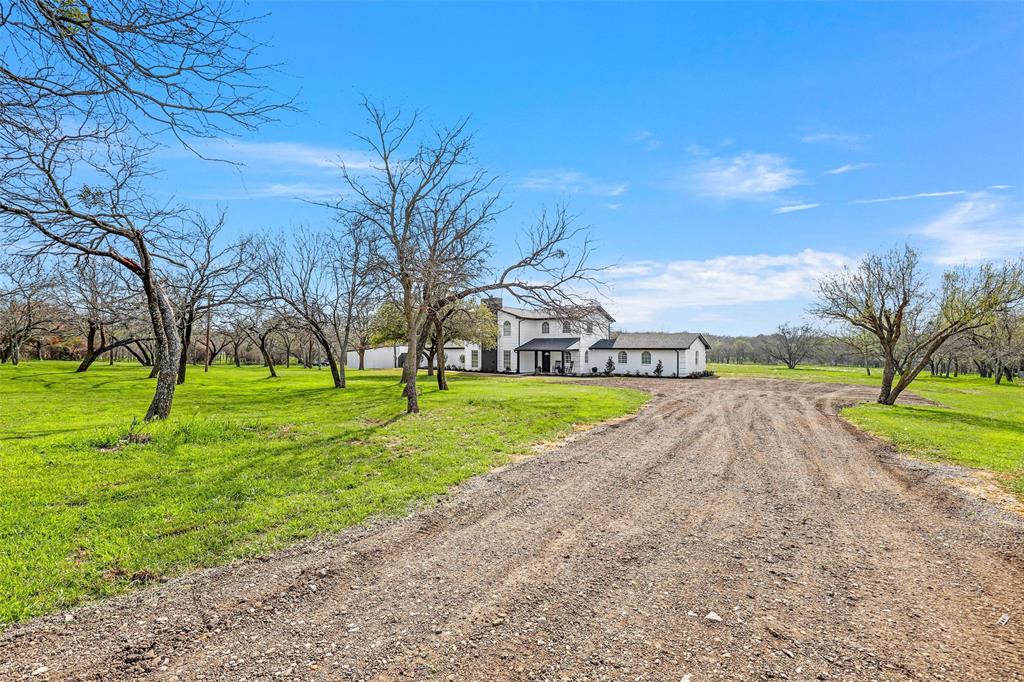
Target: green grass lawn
(977, 424)
(245, 464)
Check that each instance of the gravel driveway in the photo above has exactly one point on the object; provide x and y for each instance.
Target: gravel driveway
(734, 529)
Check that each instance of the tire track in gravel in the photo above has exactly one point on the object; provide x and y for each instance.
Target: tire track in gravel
(826, 556)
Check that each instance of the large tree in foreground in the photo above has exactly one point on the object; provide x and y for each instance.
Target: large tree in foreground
(887, 295)
(426, 210)
(87, 89)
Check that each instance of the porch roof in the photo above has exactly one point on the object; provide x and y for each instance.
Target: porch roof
(562, 343)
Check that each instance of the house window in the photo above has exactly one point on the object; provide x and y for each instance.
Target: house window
(623, 358)
(545, 328)
(645, 358)
(566, 328)
(696, 357)
(506, 357)
(474, 358)
(506, 328)
(590, 327)
(586, 356)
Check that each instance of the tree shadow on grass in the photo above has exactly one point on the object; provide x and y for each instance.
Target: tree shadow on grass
(943, 416)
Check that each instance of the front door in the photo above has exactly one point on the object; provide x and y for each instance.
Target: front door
(545, 361)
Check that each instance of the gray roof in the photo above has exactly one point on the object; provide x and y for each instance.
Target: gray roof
(650, 341)
(530, 314)
(563, 343)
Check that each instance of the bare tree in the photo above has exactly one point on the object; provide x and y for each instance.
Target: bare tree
(27, 306)
(210, 276)
(260, 325)
(863, 343)
(427, 210)
(792, 344)
(888, 292)
(149, 66)
(109, 310)
(42, 203)
(356, 287)
(1000, 344)
(86, 88)
(296, 273)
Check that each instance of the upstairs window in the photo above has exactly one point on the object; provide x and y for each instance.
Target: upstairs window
(566, 328)
(645, 358)
(623, 358)
(590, 327)
(545, 328)
(506, 328)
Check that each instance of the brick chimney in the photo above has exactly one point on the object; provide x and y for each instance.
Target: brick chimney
(494, 303)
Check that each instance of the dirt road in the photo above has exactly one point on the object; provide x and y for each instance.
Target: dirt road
(823, 555)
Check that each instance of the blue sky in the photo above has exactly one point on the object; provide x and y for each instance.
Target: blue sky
(723, 155)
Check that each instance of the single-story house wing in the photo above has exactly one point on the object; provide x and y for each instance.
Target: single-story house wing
(680, 353)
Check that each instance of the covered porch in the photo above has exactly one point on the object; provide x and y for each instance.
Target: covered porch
(548, 356)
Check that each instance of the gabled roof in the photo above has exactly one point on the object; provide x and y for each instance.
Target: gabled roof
(650, 341)
(530, 314)
(557, 343)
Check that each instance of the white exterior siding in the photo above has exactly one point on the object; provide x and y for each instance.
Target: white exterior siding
(690, 360)
(634, 361)
(523, 330)
(375, 358)
(582, 360)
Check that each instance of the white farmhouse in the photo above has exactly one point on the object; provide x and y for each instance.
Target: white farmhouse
(538, 342)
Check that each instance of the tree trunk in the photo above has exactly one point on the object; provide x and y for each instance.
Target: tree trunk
(867, 366)
(362, 355)
(412, 357)
(90, 348)
(141, 354)
(186, 341)
(335, 374)
(168, 349)
(442, 377)
(888, 373)
(267, 360)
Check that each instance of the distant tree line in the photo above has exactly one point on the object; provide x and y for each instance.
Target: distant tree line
(884, 314)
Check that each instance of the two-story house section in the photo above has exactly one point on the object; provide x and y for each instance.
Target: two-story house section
(540, 342)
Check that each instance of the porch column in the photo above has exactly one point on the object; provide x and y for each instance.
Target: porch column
(534, 362)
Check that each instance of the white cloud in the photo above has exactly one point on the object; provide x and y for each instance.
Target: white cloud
(981, 227)
(848, 167)
(572, 182)
(297, 190)
(851, 140)
(792, 208)
(1001, 187)
(294, 155)
(647, 139)
(646, 291)
(747, 176)
(906, 197)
